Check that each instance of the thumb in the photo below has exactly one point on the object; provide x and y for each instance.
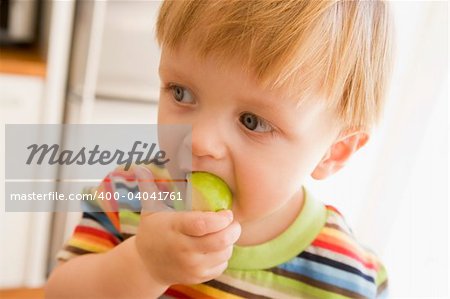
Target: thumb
(149, 192)
(197, 224)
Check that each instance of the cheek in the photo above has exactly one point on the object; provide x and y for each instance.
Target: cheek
(265, 185)
(268, 179)
(263, 196)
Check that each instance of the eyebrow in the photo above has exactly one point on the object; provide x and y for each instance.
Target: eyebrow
(262, 103)
(179, 75)
(165, 69)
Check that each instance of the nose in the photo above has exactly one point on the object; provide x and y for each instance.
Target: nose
(206, 140)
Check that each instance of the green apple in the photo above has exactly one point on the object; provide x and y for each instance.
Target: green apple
(209, 192)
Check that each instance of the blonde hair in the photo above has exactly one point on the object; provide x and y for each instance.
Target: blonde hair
(340, 48)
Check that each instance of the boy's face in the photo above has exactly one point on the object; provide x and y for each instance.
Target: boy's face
(260, 141)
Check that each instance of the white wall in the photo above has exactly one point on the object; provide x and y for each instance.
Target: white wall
(394, 193)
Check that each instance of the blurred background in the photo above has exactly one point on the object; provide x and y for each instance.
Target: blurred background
(96, 62)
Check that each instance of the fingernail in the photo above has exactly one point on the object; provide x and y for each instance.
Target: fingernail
(227, 213)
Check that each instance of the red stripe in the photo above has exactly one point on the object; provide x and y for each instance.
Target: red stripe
(96, 232)
(191, 292)
(176, 294)
(129, 176)
(344, 251)
(106, 184)
(333, 209)
(108, 180)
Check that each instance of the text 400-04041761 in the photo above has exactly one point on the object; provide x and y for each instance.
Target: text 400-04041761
(158, 195)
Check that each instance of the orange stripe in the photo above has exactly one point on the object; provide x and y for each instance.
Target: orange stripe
(94, 239)
(113, 216)
(342, 240)
(335, 245)
(215, 292)
(82, 244)
(190, 291)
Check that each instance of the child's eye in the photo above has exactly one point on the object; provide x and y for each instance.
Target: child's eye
(255, 123)
(181, 94)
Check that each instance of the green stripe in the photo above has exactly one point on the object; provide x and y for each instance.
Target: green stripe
(129, 217)
(381, 275)
(287, 245)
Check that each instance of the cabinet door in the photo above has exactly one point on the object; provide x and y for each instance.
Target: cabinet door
(20, 97)
(23, 235)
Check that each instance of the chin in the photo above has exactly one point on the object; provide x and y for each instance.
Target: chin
(243, 216)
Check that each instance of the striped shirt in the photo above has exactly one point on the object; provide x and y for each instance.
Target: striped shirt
(316, 257)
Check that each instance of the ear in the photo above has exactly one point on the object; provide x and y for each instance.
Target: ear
(339, 153)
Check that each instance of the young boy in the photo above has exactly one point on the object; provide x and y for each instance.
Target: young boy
(275, 91)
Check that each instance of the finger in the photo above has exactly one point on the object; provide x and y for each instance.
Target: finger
(147, 186)
(203, 260)
(197, 276)
(218, 257)
(215, 271)
(196, 224)
(219, 240)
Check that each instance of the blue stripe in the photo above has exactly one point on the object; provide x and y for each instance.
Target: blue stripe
(125, 187)
(330, 275)
(335, 264)
(127, 199)
(127, 193)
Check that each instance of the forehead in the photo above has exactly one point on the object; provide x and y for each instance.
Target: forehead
(183, 63)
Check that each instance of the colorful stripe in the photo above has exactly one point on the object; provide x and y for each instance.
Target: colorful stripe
(331, 264)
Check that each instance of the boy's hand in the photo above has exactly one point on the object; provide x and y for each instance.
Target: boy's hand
(184, 247)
